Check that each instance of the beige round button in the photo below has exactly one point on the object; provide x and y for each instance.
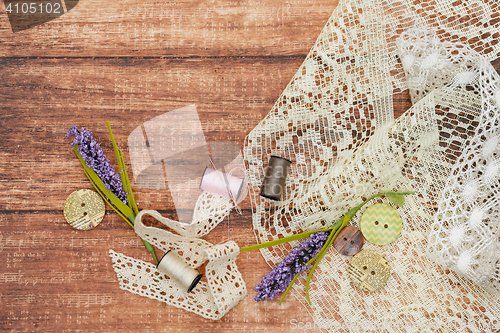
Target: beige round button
(84, 209)
(368, 270)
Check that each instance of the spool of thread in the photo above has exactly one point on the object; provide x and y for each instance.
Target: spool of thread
(173, 265)
(274, 180)
(219, 182)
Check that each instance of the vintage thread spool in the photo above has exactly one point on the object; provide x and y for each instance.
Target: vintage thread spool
(173, 265)
(274, 180)
(221, 183)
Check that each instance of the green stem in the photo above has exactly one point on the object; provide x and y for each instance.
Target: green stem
(281, 240)
(288, 288)
(123, 172)
(320, 256)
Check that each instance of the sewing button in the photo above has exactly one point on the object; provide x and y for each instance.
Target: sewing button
(368, 270)
(349, 241)
(84, 209)
(380, 224)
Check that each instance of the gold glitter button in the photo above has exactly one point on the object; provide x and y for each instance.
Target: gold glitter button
(380, 224)
(84, 209)
(368, 270)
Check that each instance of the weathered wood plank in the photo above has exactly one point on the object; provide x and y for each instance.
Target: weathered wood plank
(173, 29)
(41, 99)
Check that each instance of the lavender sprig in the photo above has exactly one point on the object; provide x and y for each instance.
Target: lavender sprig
(95, 158)
(279, 278)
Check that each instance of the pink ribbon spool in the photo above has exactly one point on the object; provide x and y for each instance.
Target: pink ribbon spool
(219, 182)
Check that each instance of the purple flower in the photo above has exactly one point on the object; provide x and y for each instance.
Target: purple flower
(95, 158)
(277, 280)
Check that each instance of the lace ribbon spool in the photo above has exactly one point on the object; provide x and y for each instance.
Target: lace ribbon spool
(274, 180)
(221, 183)
(172, 265)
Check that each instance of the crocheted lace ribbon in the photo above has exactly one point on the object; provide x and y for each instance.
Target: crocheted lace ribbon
(335, 122)
(466, 230)
(212, 299)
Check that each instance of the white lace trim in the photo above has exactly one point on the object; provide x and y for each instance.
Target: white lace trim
(212, 299)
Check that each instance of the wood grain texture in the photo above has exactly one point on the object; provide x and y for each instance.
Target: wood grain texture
(174, 29)
(41, 99)
(128, 62)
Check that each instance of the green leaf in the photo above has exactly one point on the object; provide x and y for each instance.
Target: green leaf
(130, 194)
(288, 288)
(123, 172)
(107, 200)
(397, 199)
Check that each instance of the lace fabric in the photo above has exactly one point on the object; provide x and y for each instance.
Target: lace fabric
(335, 122)
(465, 234)
(224, 287)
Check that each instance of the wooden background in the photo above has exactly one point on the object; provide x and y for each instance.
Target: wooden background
(127, 62)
